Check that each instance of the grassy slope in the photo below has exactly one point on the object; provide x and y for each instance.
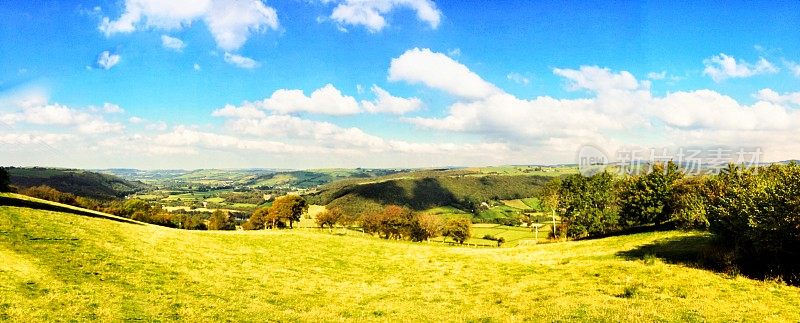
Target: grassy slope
(59, 266)
(78, 182)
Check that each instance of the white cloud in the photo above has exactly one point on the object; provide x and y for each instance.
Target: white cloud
(14, 139)
(325, 100)
(793, 67)
(172, 43)
(441, 72)
(518, 78)
(106, 60)
(248, 110)
(135, 120)
(231, 22)
(772, 96)
(372, 13)
(241, 61)
(24, 97)
(386, 103)
(156, 126)
(60, 115)
(196, 67)
(112, 108)
(721, 67)
(455, 52)
(657, 75)
(622, 110)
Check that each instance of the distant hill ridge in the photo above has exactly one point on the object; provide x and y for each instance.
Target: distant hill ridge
(79, 182)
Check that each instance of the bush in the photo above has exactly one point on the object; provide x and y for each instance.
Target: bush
(755, 211)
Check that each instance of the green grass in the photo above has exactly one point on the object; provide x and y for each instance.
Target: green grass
(57, 266)
(215, 200)
(517, 204)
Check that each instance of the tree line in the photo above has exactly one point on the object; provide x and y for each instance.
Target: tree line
(391, 222)
(753, 212)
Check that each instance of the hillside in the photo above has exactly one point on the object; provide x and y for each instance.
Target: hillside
(78, 182)
(421, 191)
(61, 266)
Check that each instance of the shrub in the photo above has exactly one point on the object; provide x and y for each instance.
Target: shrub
(755, 211)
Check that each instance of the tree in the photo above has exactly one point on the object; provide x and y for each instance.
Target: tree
(397, 222)
(392, 222)
(589, 204)
(257, 220)
(427, 226)
(459, 229)
(221, 220)
(550, 197)
(329, 217)
(288, 208)
(5, 180)
(371, 222)
(646, 199)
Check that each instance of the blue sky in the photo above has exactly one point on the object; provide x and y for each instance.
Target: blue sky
(399, 83)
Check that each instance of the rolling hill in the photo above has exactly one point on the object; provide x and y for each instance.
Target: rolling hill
(78, 182)
(64, 266)
(425, 190)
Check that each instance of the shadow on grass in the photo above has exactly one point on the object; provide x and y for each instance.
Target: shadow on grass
(633, 230)
(8, 201)
(699, 251)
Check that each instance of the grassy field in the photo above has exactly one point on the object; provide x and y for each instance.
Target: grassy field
(62, 266)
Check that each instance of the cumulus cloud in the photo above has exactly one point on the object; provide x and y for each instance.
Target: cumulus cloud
(619, 107)
(721, 67)
(60, 115)
(372, 13)
(325, 100)
(386, 103)
(329, 138)
(240, 61)
(106, 60)
(248, 110)
(172, 43)
(770, 95)
(231, 22)
(439, 71)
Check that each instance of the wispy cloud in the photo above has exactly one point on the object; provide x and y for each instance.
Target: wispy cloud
(241, 61)
(107, 60)
(721, 67)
